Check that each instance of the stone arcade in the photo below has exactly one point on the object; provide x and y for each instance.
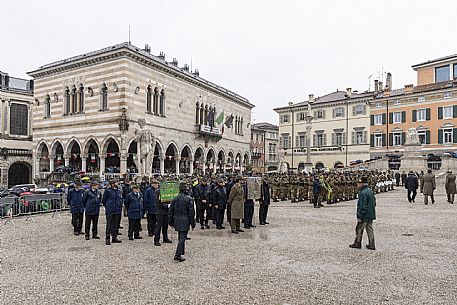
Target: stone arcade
(121, 109)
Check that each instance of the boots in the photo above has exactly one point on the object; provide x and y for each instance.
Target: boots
(115, 240)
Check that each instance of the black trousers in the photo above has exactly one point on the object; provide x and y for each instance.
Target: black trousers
(151, 223)
(134, 227)
(182, 235)
(162, 225)
(205, 209)
(118, 222)
(263, 212)
(94, 220)
(219, 217)
(248, 214)
(413, 193)
(316, 200)
(77, 221)
(112, 225)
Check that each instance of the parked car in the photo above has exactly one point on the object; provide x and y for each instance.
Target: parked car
(29, 187)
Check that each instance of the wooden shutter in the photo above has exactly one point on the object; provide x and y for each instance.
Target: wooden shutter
(314, 140)
(454, 108)
(454, 135)
(372, 140)
(391, 118)
(427, 114)
(403, 138)
(333, 139)
(383, 119)
(414, 115)
(391, 139)
(344, 138)
(383, 139)
(333, 112)
(353, 137)
(403, 116)
(343, 111)
(353, 110)
(440, 113)
(365, 135)
(440, 136)
(364, 109)
(323, 113)
(427, 137)
(325, 139)
(371, 120)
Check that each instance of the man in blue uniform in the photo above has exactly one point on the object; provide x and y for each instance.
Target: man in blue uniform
(182, 216)
(74, 199)
(134, 204)
(150, 205)
(113, 208)
(91, 202)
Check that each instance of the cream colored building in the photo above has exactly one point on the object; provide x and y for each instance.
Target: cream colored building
(91, 109)
(16, 99)
(339, 134)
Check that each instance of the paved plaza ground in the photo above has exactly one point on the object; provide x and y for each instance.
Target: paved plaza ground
(302, 257)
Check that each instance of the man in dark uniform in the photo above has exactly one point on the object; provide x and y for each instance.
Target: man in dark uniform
(220, 203)
(228, 188)
(203, 199)
(112, 202)
(162, 221)
(412, 184)
(91, 202)
(248, 208)
(181, 216)
(403, 178)
(74, 199)
(150, 205)
(134, 204)
(264, 201)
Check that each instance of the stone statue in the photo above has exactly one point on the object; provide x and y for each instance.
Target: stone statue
(146, 146)
(412, 137)
(281, 154)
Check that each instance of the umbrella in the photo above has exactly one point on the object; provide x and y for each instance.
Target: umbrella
(60, 185)
(85, 179)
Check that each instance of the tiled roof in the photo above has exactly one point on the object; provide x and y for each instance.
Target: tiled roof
(264, 125)
(449, 57)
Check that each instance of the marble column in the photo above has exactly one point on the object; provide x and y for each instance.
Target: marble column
(191, 167)
(177, 160)
(66, 159)
(162, 165)
(102, 163)
(84, 163)
(51, 162)
(204, 166)
(214, 168)
(123, 158)
(37, 165)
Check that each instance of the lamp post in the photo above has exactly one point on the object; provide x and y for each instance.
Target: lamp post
(308, 119)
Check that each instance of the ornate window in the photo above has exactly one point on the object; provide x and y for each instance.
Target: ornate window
(66, 99)
(74, 100)
(19, 114)
(149, 99)
(104, 97)
(162, 103)
(81, 98)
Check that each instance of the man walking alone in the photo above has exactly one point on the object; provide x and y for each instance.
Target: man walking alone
(412, 184)
(366, 213)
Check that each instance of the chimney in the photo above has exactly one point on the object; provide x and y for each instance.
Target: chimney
(291, 103)
(196, 73)
(311, 98)
(186, 67)
(386, 92)
(162, 55)
(7, 81)
(376, 86)
(380, 86)
(389, 81)
(31, 85)
(409, 89)
(174, 62)
(147, 48)
(348, 92)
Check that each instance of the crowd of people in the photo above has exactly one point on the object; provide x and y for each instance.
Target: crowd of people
(207, 201)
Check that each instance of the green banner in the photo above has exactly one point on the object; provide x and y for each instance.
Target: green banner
(169, 190)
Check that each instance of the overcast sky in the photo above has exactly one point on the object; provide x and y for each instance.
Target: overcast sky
(271, 52)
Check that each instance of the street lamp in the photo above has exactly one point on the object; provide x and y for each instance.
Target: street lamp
(308, 119)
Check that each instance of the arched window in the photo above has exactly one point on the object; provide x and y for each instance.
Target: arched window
(149, 99)
(104, 97)
(47, 106)
(202, 118)
(74, 100)
(155, 101)
(241, 126)
(81, 98)
(206, 115)
(66, 98)
(197, 113)
(162, 103)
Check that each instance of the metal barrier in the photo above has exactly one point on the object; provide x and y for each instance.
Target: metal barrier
(29, 205)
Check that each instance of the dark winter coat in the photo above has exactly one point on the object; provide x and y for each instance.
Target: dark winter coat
(412, 183)
(450, 184)
(265, 193)
(220, 197)
(366, 204)
(428, 185)
(134, 204)
(91, 201)
(150, 201)
(112, 201)
(162, 207)
(182, 213)
(202, 192)
(75, 200)
(316, 187)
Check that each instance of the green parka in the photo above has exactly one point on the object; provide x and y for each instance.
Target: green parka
(366, 205)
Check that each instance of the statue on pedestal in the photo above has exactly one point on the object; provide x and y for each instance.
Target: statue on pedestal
(146, 146)
(412, 137)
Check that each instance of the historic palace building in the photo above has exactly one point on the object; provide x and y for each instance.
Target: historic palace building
(337, 124)
(264, 147)
(121, 109)
(430, 108)
(16, 100)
